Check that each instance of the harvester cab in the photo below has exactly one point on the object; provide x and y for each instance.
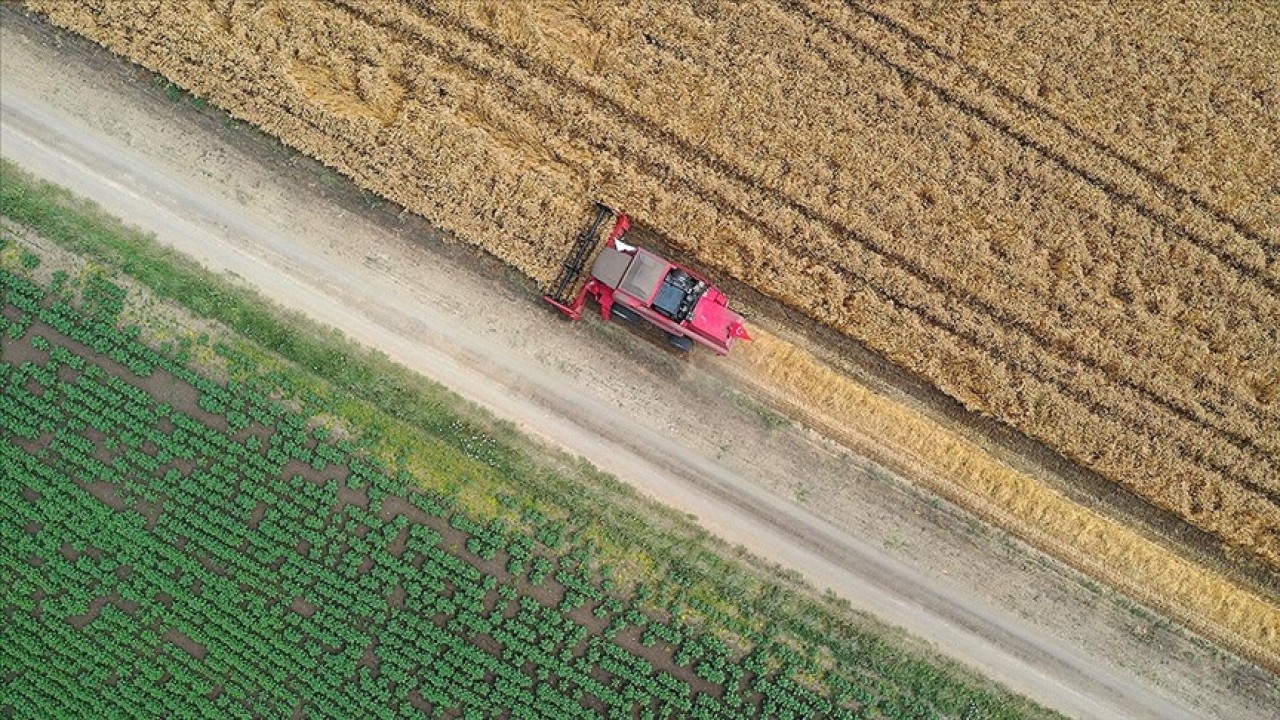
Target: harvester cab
(634, 284)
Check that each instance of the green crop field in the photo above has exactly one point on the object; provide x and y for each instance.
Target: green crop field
(177, 545)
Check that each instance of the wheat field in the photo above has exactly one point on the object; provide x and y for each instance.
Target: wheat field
(1018, 203)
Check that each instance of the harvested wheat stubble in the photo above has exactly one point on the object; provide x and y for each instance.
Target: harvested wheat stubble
(821, 154)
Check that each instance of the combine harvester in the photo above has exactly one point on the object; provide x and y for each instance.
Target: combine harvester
(632, 284)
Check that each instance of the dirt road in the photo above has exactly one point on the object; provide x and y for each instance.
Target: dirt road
(672, 428)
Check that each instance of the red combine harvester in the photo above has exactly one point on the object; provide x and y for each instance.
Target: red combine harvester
(633, 284)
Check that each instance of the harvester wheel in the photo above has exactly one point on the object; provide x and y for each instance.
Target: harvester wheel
(680, 342)
(624, 314)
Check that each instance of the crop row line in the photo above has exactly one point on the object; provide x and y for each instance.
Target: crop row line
(1008, 126)
(991, 84)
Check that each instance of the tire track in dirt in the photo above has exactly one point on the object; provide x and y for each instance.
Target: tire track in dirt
(986, 81)
(648, 130)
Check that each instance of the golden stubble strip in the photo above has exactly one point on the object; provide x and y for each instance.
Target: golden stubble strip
(964, 473)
